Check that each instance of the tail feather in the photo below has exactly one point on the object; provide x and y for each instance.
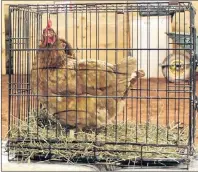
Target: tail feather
(134, 79)
(124, 71)
(127, 65)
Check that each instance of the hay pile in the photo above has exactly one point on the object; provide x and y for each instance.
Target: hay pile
(35, 140)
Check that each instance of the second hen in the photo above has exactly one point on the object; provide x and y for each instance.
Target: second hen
(82, 93)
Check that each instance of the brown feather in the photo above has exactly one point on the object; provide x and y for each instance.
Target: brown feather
(61, 76)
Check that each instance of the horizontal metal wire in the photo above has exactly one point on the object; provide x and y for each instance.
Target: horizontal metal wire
(97, 96)
(100, 142)
(112, 7)
(91, 150)
(112, 49)
(138, 89)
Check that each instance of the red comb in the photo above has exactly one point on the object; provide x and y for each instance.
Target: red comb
(49, 24)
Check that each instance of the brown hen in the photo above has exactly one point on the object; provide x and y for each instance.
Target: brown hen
(86, 93)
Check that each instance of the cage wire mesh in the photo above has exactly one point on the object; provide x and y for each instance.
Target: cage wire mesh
(102, 82)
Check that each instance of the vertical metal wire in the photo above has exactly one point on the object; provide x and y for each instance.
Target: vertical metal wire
(82, 35)
(30, 45)
(98, 35)
(73, 28)
(25, 89)
(188, 153)
(32, 102)
(90, 34)
(10, 100)
(158, 75)
(26, 43)
(132, 54)
(194, 109)
(41, 23)
(116, 62)
(18, 72)
(33, 46)
(127, 68)
(29, 54)
(148, 67)
(175, 53)
(57, 77)
(46, 61)
(35, 34)
(123, 54)
(37, 79)
(141, 155)
(96, 118)
(96, 70)
(167, 83)
(185, 85)
(66, 38)
(179, 86)
(97, 58)
(12, 54)
(31, 35)
(23, 73)
(137, 107)
(193, 77)
(106, 14)
(127, 54)
(191, 84)
(193, 29)
(15, 66)
(149, 71)
(76, 70)
(140, 86)
(86, 68)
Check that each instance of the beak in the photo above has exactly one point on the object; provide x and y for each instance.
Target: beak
(48, 37)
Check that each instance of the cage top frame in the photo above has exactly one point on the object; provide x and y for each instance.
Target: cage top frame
(104, 7)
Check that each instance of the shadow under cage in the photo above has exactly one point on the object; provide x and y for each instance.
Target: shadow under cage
(102, 82)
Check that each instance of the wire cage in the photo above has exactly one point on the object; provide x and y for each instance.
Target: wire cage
(86, 83)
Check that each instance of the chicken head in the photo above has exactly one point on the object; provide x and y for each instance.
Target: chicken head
(49, 35)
